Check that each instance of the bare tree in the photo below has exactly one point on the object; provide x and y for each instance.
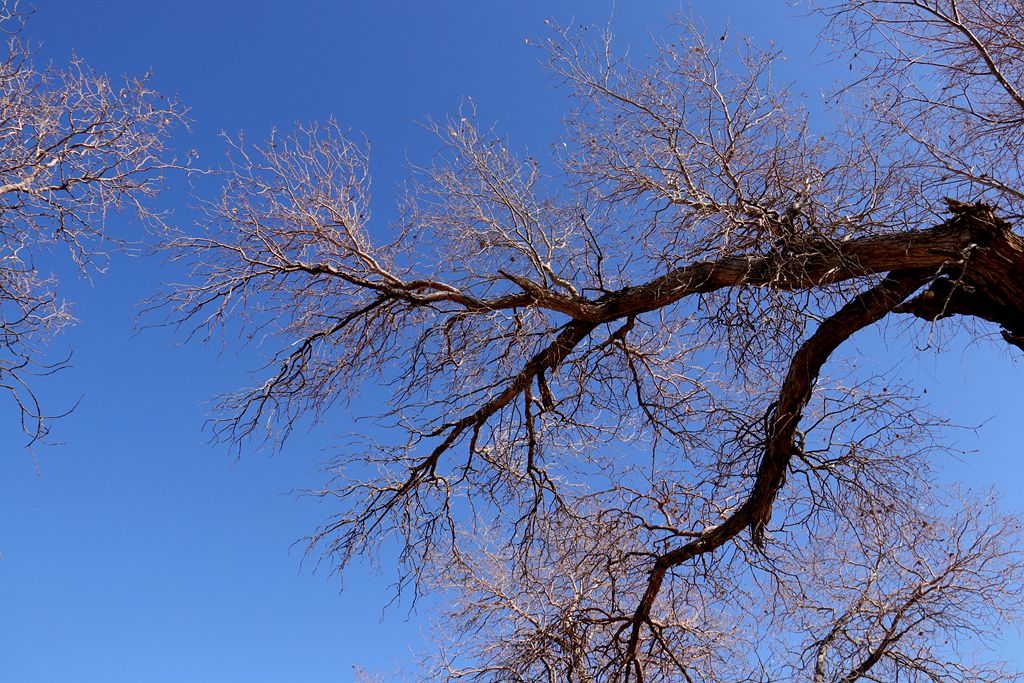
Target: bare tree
(74, 147)
(605, 366)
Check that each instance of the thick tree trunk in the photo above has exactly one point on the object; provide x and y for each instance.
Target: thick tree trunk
(988, 284)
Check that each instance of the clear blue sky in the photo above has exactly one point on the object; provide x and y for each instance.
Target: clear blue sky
(134, 551)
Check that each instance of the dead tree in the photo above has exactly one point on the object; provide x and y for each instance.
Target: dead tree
(614, 442)
(75, 148)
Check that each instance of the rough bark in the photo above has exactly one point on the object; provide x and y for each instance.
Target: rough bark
(987, 283)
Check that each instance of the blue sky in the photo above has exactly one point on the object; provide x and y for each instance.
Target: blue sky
(135, 551)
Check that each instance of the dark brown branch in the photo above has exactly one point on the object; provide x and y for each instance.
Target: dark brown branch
(864, 310)
(813, 264)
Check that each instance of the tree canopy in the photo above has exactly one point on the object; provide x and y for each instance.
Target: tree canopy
(75, 146)
(626, 440)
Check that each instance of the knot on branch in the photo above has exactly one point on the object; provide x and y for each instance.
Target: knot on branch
(980, 218)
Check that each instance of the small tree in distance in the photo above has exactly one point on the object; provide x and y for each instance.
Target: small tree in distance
(74, 148)
(614, 449)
